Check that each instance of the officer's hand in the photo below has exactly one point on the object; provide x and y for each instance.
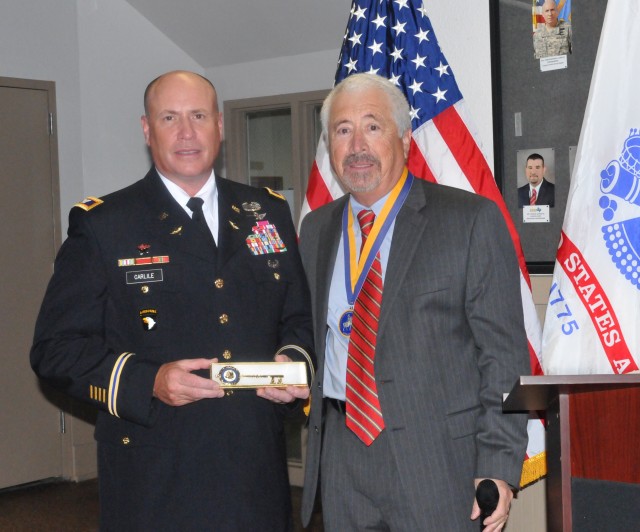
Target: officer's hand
(175, 385)
(283, 395)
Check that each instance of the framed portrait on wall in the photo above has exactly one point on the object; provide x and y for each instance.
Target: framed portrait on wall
(536, 184)
(540, 111)
(552, 33)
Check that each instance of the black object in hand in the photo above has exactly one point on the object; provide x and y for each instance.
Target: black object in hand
(487, 496)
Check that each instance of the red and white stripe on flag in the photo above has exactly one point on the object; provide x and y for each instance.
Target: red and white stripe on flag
(592, 318)
(445, 148)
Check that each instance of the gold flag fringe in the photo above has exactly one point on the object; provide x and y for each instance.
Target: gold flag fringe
(533, 469)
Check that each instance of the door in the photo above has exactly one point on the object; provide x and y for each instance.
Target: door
(30, 434)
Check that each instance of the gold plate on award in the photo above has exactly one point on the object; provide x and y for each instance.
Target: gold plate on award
(259, 374)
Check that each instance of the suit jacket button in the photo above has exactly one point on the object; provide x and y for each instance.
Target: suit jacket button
(126, 440)
(228, 393)
(219, 283)
(144, 289)
(316, 429)
(223, 319)
(226, 354)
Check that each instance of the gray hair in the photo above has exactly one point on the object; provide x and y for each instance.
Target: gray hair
(362, 82)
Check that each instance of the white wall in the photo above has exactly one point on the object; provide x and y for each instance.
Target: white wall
(463, 35)
(101, 54)
(119, 53)
(39, 40)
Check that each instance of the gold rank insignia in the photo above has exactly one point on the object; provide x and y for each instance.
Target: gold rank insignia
(276, 194)
(89, 203)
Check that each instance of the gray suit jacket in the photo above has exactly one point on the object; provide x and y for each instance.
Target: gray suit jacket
(450, 341)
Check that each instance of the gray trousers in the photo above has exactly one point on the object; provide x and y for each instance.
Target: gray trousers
(361, 487)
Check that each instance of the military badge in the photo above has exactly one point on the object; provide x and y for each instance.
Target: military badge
(265, 239)
(251, 206)
(149, 318)
(228, 375)
(140, 261)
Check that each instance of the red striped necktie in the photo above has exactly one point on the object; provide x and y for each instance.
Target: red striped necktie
(364, 416)
(533, 197)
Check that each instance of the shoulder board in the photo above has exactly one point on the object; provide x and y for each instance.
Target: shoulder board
(275, 194)
(89, 203)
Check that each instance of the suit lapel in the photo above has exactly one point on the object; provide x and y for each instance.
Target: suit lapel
(411, 222)
(328, 242)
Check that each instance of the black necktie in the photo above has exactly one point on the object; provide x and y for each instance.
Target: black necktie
(195, 204)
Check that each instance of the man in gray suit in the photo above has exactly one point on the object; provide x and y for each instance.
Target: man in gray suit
(406, 414)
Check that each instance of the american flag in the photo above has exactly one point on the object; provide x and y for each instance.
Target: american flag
(395, 39)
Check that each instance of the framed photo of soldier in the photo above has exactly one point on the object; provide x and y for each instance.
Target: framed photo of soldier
(552, 33)
(540, 111)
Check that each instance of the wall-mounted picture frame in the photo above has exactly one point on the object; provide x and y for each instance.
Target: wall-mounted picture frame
(535, 108)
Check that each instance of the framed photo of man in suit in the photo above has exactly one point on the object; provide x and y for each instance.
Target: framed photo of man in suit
(536, 177)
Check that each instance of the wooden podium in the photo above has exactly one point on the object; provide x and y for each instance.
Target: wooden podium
(593, 436)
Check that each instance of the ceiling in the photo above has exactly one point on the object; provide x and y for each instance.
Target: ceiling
(225, 32)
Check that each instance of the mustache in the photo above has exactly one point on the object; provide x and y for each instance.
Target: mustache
(360, 158)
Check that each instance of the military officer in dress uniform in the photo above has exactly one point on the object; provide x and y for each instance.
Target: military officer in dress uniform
(153, 283)
(554, 36)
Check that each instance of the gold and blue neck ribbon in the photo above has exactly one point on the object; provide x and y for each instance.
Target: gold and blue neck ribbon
(355, 271)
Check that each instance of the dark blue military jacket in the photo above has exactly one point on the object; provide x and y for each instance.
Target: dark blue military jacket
(137, 284)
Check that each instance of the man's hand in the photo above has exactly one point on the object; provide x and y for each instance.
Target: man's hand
(175, 385)
(283, 395)
(498, 518)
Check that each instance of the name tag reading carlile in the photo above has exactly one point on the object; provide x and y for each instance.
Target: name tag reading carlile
(259, 374)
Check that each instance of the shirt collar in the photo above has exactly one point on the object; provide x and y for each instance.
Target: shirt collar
(208, 192)
(356, 206)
